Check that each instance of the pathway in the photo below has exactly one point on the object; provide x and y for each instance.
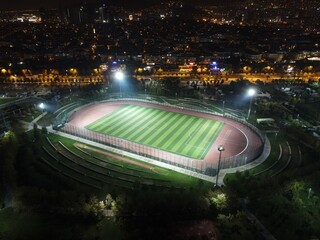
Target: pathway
(259, 160)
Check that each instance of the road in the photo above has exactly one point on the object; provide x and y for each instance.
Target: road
(185, 77)
(227, 77)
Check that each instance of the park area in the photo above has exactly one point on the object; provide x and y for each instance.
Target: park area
(178, 133)
(6, 100)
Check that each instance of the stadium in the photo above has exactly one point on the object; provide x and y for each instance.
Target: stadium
(180, 137)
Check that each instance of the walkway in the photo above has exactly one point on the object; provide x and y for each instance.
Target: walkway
(30, 124)
(264, 155)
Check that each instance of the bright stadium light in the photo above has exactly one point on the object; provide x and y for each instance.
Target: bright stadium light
(119, 76)
(251, 93)
(220, 149)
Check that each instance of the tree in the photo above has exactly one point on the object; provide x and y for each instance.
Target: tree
(44, 130)
(36, 132)
(109, 202)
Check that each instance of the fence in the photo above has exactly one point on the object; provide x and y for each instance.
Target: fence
(255, 137)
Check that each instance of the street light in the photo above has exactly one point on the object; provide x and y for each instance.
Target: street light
(251, 93)
(223, 107)
(220, 149)
(119, 76)
(41, 106)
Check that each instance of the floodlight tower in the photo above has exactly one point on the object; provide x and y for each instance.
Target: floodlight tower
(251, 93)
(119, 76)
(41, 106)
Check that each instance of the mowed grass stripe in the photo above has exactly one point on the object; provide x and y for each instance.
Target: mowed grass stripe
(144, 137)
(198, 151)
(141, 124)
(157, 132)
(112, 119)
(170, 131)
(130, 121)
(189, 135)
(144, 127)
(210, 134)
(179, 133)
(192, 143)
(109, 120)
(204, 144)
(183, 134)
(114, 113)
(212, 139)
(161, 130)
(123, 119)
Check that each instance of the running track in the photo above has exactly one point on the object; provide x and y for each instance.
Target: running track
(236, 138)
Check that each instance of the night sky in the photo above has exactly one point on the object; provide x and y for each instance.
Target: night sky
(36, 4)
(33, 4)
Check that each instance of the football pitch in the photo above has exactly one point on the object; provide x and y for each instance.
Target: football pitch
(178, 133)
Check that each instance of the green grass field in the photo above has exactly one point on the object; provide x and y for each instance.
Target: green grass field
(183, 134)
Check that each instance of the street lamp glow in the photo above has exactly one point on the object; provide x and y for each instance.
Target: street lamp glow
(220, 149)
(41, 106)
(251, 92)
(119, 76)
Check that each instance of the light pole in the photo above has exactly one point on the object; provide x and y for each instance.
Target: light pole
(220, 149)
(251, 93)
(223, 107)
(119, 76)
(41, 106)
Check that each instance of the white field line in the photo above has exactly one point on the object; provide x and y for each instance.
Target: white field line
(192, 134)
(203, 149)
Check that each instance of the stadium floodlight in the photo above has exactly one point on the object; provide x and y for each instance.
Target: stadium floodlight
(119, 76)
(220, 149)
(251, 93)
